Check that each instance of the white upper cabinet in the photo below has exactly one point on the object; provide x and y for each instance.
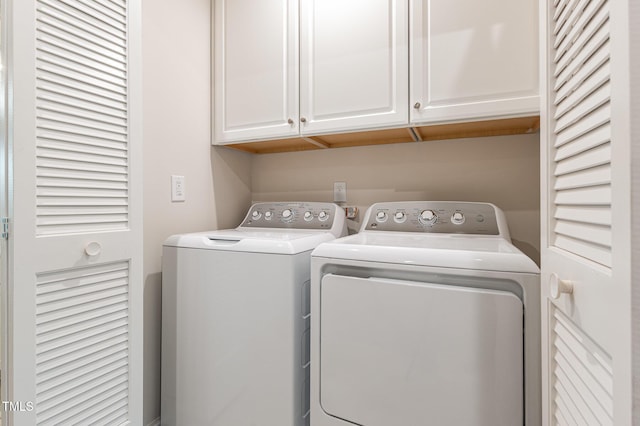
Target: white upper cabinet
(473, 59)
(291, 69)
(354, 64)
(256, 69)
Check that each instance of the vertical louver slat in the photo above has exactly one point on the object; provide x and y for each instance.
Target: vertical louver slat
(82, 334)
(580, 123)
(81, 116)
(582, 375)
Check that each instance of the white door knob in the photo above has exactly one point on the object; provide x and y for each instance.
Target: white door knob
(557, 286)
(93, 248)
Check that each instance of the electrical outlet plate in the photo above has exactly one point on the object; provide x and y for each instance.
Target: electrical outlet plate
(351, 212)
(340, 192)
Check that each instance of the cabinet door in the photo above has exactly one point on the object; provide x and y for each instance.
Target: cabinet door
(586, 214)
(256, 69)
(354, 64)
(473, 59)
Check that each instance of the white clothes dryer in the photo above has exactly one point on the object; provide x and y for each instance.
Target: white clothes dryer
(235, 318)
(428, 316)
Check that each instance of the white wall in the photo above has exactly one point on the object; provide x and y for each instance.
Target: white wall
(502, 170)
(177, 122)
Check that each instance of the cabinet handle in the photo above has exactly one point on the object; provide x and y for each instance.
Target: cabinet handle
(557, 286)
(290, 121)
(417, 105)
(302, 119)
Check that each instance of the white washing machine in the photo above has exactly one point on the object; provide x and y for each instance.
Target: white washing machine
(235, 318)
(428, 316)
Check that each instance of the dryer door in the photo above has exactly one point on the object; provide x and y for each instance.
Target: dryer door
(413, 353)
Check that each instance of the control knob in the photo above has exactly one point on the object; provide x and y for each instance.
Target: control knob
(256, 215)
(287, 215)
(322, 216)
(457, 218)
(400, 217)
(308, 216)
(428, 217)
(268, 215)
(381, 216)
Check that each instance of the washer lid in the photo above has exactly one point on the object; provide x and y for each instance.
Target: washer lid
(253, 240)
(438, 250)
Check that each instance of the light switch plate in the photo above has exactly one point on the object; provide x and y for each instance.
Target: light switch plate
(178, 192)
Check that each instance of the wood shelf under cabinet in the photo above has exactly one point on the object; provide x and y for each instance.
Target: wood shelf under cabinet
(501, 127)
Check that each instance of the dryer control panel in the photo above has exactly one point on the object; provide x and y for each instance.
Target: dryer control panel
(294, 215)
(443, 217)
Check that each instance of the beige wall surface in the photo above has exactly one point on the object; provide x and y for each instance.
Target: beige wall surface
(501, 170)
(231, 176)
(177, 121)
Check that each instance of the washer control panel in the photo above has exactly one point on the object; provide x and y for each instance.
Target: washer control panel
(297, 215)
(450, 217)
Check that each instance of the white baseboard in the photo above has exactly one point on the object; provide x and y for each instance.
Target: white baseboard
(154, 422)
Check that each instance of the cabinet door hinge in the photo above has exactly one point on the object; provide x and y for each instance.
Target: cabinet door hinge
(5, 228)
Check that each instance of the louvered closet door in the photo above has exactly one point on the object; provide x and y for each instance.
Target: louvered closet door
(584, 339)
(75, 262)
